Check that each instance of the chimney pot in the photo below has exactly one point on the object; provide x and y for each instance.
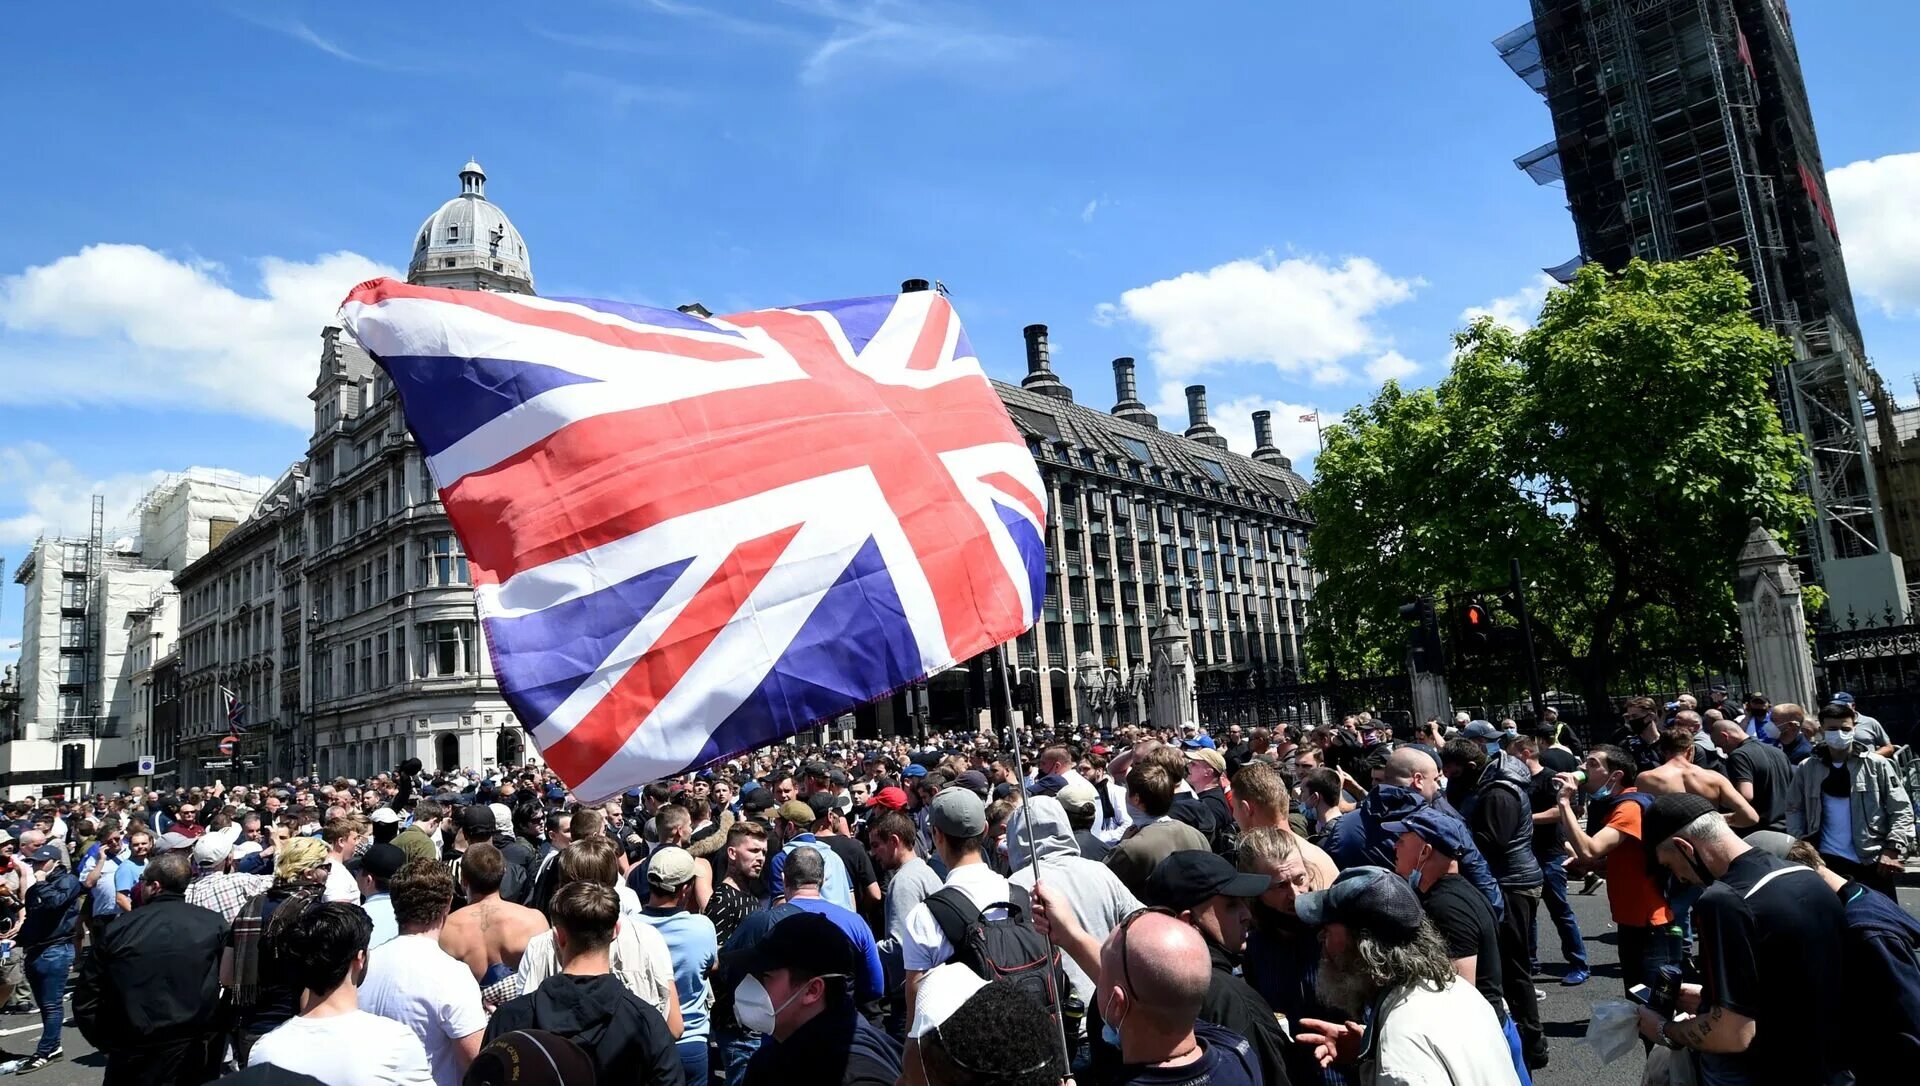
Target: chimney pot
(1040, 377)
(913, 286)
(1127, 395)
(1196, 406)
(1264, 450)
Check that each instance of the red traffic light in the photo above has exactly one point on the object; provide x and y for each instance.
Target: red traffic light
(1477, 617)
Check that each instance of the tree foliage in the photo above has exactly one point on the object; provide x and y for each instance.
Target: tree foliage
(1617, 448)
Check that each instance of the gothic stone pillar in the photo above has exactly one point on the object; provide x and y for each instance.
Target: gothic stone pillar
(1772, 624)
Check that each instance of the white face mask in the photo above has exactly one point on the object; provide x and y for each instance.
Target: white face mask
(1839, 740)
(753, 1008)
(1770, 730)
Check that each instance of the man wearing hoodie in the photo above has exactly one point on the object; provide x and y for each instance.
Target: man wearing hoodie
(1412, 778)
(1100, 901)
(587, 1004)
(1493, 789)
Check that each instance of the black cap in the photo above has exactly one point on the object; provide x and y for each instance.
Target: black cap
(1669, 814)
(1191, 877)
(1369, 898)
(809, 944)
(380, 861)
(530, 1057)
(838, 778)
(478, 821)
(822, 802)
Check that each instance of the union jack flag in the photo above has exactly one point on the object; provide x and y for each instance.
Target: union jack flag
(236, 710)
(692, 537)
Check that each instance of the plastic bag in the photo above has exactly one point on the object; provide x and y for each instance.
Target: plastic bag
(1614, 1029)
(1665, 1067)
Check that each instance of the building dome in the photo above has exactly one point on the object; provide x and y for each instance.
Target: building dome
(470, 244)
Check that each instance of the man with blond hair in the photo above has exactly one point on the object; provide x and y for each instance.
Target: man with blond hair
(1260, 799)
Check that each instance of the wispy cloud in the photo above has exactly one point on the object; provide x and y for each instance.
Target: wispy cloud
(720, 20)
(622, 95)
(1087, 212)
(602, 43)
(301, 32)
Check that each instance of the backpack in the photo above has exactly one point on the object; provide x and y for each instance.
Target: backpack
(1008, 949)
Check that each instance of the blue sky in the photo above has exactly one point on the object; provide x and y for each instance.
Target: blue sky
(1285, 201)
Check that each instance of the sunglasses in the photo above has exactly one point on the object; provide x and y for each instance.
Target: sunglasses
(1120, 943)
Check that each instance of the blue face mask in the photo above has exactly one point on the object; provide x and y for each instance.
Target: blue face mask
(1110, 1033)
(1603, 793)
(1413, 880)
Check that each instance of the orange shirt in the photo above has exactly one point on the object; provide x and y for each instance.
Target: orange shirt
(1630, 891)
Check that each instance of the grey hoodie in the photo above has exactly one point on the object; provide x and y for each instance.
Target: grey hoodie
(1099, 899)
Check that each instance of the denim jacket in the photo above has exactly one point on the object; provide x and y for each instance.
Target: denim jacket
(1882, 810)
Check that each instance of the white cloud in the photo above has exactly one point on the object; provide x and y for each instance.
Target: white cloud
(45, 494)
(1299, 440)
(1331, 374)
(1517, 310)
(1391, 366)
(882, 36)
(1874, 202)
(1087, 212)
(125, 324)
(1301, 313)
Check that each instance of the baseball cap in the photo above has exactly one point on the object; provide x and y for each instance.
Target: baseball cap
(670, 868)
(528, 1057)
(1668, 814)
(942, 990)
(1189, 877)
(43, 854)
(892, 797)
(821, 803)
(1842, 698)
(914, 771)
(1443, 832)
(381, 861)
(1772, 842)
(1201, 742)
(973, 781)
(1099, 748)
(1370, 898)
(798, 812)
(807, 943)
(957, 812)
(1211, 756)
(502, 817)
(1048, 785)
(384, 816)
(1481, 730)
(479, 821)
(211, 851)
(1078, 794)
(172, 842)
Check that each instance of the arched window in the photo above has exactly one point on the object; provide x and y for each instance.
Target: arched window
(446, 753)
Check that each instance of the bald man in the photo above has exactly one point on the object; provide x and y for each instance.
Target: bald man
(1415, 770)
(1152, 974)
(1676, 774)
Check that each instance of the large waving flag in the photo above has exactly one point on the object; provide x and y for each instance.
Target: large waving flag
(692, 537)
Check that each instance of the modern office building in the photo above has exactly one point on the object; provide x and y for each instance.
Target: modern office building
(1681, 126)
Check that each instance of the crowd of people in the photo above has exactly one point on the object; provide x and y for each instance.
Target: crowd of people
(1357, 903)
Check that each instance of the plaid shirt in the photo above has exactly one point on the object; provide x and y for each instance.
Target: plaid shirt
(226, 891)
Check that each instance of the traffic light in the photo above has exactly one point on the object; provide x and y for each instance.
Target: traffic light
(1423, 641)
(1476, 628)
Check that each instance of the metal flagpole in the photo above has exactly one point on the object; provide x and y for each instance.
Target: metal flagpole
(1033, 851)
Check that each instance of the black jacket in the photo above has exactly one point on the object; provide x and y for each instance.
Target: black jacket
(838, 1048)
(53, 910)
(1233, 1004)
(628, 1040)
(1500, 814)
(153, 977)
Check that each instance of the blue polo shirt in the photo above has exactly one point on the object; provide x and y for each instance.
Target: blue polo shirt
(873, 982)
(694, 946)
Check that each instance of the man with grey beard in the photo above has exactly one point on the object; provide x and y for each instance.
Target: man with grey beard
(1379, 951)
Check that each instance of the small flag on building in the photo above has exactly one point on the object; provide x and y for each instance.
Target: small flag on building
(236, 710)
(1313, 416)
(690, 537)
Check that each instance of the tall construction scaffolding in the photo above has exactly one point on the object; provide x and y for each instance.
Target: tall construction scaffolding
(1682, 126)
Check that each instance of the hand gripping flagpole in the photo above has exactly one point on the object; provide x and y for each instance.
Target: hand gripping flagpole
(1033, 850)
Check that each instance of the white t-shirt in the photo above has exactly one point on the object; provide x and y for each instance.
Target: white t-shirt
(924, 945)
(415, 983)
(340, 884)
(352, 1049)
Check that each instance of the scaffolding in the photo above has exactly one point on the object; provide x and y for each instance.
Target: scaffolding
(1682, 126)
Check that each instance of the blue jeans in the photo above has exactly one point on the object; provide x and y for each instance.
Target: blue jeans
(1513, 1049)
(736, 1047)
(693, 1059)
(47, 970)
(1554, 899)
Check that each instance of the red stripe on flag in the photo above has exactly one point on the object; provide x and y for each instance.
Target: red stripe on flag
(625, 708)
(1009, 486)
(502, 306)
(931, 346)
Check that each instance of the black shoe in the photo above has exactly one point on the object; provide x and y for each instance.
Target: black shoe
(36, 1062)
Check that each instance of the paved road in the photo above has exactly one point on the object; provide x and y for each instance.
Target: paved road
(1564, 1012)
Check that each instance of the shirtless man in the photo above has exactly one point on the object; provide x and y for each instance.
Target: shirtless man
(1677, 774)
(489, 934)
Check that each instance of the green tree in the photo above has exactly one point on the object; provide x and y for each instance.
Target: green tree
(1617, 448)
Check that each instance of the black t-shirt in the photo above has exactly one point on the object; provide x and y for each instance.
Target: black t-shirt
(1560, 761)
(1768, 770)
(1770, 948)
(1465, 922)
(1225, 1060)
(1544, 795)
(859, 869)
